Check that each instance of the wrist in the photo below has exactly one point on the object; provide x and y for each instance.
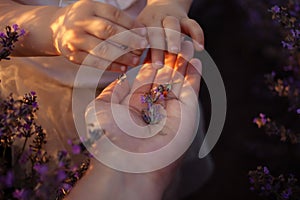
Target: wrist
(56, 25)
(126, 186)
(38, 38)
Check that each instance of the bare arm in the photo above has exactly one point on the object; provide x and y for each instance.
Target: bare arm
(101, 182)
(75, 31)
(36, 20)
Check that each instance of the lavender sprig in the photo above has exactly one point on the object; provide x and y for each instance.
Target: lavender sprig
(276, 188)
(34, 174)
(273, 128)
(152, 114)
(8, 39)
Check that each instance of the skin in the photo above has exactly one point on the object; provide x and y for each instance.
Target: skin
(68, 31)
(74, 31)
(113, 184)
(169, 14)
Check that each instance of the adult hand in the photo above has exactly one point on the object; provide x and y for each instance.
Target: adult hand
(82, 26)
(169, 15)
(118, 110)
(120, 95)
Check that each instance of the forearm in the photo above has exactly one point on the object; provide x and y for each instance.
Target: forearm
(37, 22)
(101, 182)
(186, 4)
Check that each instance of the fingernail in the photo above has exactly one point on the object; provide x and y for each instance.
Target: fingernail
(157, 65)
(135, 60)
(199, 47)
(174, 49)
(143, 44)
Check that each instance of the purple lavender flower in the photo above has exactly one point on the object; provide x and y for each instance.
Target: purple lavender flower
(266, 170)
(9, 179)
(61, 175)
(41, 169)
(2, 35)
(287, 45)
(26, 127)
(161, 97)
(268, 186)
(67, 187)
(22, 32)
(273, 74)
(261, 121)
(15, 27)
(143, 99)
(76, 149)
(287, 193)
(275, 9)
(35, 105)
(19, 194)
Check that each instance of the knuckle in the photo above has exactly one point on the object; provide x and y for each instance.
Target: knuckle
(109, 30)
(116, 14)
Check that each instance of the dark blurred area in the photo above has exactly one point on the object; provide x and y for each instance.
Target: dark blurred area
(243, 55)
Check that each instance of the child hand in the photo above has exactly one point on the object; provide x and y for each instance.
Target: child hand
(81, 26)
(169, 15)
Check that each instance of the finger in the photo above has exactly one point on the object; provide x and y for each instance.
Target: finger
(107, 51)
(191, 85)
(193, 29)
(187, 52)
(81, 57)
(119, 17)
(173, 33)
(144, 79)
(164, 75)
(115, 92)
(157, 44)
(104, 29)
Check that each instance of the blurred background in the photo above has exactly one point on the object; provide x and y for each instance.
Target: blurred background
(244, 49)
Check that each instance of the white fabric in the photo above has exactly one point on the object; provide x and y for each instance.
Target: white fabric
(52, 79)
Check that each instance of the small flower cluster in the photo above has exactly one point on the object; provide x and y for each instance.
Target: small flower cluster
(29, 172)
(288, 17)
(277, 188)
(288, 88)
(152, 114)
(273, 128)
(8, 39)
(286, 83)
(17, 119)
